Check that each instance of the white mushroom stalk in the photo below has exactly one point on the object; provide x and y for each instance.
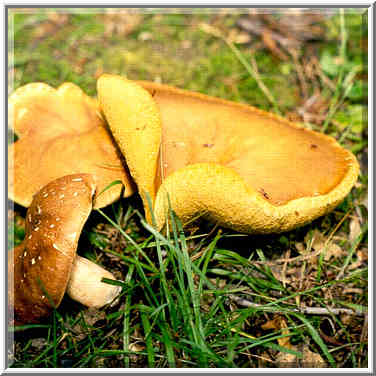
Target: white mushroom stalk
(85, 284)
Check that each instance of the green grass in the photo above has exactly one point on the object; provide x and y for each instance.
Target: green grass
(177, 306)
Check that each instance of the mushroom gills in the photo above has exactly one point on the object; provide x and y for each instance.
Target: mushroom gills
(86, 287)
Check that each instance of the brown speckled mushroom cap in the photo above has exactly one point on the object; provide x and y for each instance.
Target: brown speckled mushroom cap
(42, 263)
(231, 163)
(60, 132)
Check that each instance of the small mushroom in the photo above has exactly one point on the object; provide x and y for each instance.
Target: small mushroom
(230, 163)
(61, 132)
(45, 265)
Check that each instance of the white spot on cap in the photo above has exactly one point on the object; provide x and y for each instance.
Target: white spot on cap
(42, 296)
(30, 236)
(61, 196)
(29, 217)
(77, 179)
(45, 195)
(33, 261)
(75, 194)
(39, 210)
(58, 249)
(25, 254)
(22, 280)
(36, 229)
(52, 225)
(39, 257)
(57, 219)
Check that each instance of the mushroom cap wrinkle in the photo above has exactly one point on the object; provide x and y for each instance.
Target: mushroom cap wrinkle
(61, 132)
(231, 163)
(40, 268)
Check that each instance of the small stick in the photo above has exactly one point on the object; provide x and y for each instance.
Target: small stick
(305, 310)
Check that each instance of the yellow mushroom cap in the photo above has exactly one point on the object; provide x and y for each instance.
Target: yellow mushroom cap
(133, 118)
(244, 168)
(61, 132)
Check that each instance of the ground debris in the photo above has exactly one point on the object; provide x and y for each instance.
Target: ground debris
(309, 359)
(121, 22)
(54, 21)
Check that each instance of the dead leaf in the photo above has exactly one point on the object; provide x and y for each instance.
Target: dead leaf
(362, 254)
(320, 244)
(54, 22)
(267, 38)
(92, 315)
(365, 200)
(136, 347)
(238, 37)
(280, 274)
(355, 228)
(279, 323)
(39, 343)
(308, 360)
(121, 22)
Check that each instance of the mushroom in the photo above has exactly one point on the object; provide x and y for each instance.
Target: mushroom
(230, 163)
(45, 265)
(61, 132)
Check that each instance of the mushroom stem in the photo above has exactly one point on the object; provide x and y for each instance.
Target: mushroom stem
(85, 284)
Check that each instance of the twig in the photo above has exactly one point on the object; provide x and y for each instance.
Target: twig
(305, 310)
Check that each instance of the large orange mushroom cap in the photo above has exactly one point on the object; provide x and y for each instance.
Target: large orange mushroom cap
(241, 167)
(61, 132)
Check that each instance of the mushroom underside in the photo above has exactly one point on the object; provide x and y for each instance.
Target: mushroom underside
(241, 167)
(280, 161)
(61, 132)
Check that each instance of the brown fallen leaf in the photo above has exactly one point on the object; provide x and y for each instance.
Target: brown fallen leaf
(279, 324)
(121, 22)
(320, 244)
(136, 347)
(308, 360)
(238, 37)
(355, 228)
